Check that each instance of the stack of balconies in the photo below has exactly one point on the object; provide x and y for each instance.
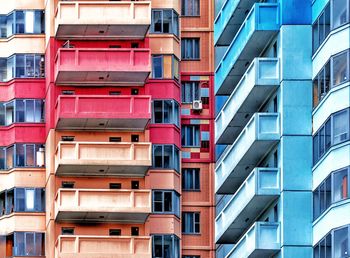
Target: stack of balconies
(249, 82)
(96, 115)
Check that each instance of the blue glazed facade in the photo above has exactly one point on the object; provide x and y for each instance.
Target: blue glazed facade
(308, 44)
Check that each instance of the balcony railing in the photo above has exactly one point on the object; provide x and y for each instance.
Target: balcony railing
(256, 85)
(259, 27)
(103, 246)
(228, 20)
(258, 137)
(260, 188)
(102, 20)
(98, 112)
(102, 66)
(102, 205)
(103, 158)
(262, 240)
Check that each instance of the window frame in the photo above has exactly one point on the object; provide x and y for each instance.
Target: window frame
(193, 218)
(175, 202)
(192, 14)
(193, 85)
(330, 236)
(173, 21)
(175, 117)
(14, 149)
(175, 240)
(193, 44)
(175, 75)
(317, 156)
(195, 132)
(320, 209)
(321, 79)
(174, 164)
(195, 174)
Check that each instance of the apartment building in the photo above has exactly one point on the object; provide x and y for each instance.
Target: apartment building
(263, 177)
(106, 129)
(282, 181)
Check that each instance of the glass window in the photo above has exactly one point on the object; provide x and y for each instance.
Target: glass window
(3, 31)
(190, 179)
(3, 69)
(21, 155)
(340, 69)
(29, 244)
(335, 188)
(190, 91)
(166, 157)
(341, 243)
(165, 21)
(30, 111)
(190, 8)
(340, 127)
(190, 48)
(2, 159)
(340, 185)
(166, 202)
(20, 110)
(10, 113)
(20, 66)
(340, 13)
(2, 114)
(191, 222)
(321, 28)
(10, 24)
(190, 135)
(166, 112)
(165, 246)
(157, 67)
(9, 157)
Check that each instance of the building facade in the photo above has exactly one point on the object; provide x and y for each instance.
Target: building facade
(107, 129)
(282, 179)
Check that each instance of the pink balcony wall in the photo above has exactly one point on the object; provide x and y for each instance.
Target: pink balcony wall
(100, 112)
(102, 66)
(103, 246)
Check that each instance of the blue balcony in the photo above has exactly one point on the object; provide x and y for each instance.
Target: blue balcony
(229, 19)
(255, 194)
(258, 137)
(256, 85)
(261, 240)
(261, 24)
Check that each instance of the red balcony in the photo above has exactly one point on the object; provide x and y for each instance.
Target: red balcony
(103, 247)
(97, 112)
(102, 67)
(102, 20)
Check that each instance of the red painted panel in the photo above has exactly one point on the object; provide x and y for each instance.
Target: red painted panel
(165, 134)
(163, 89)
(22, 89)
(22, 133)
(102, 106)
(77, 60)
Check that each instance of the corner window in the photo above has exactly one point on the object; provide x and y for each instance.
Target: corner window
(27, 244)
(334, 244)
(190, 48)
(321, 28)
(22, 66)
(165, 112)
(165, 21)
(336, 130)
(340, 11)
(191, 222)
(166, 157)
(21, 111)
(190, 136)
(18, 155)
(22, 22)
(22, 200)
(165, 246)
(190, 179)
(166, 202)
(190, 8)
(333, 189)
(190, 91)
(165, 67)
(340, 68)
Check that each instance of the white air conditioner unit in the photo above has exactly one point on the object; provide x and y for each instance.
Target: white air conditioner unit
(40, 157)
(197, 105)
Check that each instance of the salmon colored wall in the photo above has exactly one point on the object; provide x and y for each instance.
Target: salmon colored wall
(163, 179)
(163, 224)
(22, 178)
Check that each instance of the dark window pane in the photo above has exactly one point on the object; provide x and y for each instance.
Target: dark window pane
(157, 21)
(157, 154)
(158, 111)
(20, 200)
(20, 111)
(157, 66)
(158, 246)
(20, 157)
(168, 149)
